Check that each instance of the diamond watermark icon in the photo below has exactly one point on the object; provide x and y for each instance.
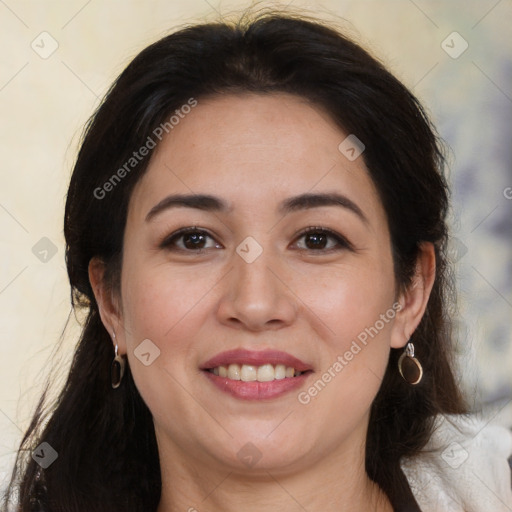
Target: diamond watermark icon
(44, 250)
(44, 45)
(249, 249)
(455, 455)
(351, 147)
(456, 250)
(454, 45)
(249, 455)
(45, 455)
(147, 352)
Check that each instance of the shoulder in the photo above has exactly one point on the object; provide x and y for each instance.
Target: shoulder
(464, 467)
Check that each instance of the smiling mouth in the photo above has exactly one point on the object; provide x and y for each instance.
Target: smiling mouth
(252, 373)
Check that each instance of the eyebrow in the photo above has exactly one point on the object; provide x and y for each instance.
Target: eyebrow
(207, 202)
(309, 200)
(199, 201)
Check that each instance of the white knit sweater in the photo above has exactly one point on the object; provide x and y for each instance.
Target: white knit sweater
(463, 468)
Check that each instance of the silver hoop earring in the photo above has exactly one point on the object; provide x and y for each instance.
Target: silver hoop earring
(117, 369)
(409, 367)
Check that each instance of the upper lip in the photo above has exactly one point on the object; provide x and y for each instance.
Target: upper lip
(255, 358)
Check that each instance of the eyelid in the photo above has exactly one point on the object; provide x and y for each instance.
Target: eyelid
(167, 241)
(340, 239)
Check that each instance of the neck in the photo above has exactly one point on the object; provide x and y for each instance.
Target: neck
(333, 484)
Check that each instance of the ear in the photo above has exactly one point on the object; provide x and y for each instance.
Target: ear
(108, 304)
(414, 299)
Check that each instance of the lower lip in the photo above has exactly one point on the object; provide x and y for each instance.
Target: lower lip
(257, 390)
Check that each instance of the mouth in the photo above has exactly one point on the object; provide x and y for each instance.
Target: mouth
(256, 375)
(250, 373)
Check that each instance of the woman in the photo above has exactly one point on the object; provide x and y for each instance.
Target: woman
(255, 226)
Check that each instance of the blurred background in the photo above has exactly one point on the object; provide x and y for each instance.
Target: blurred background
(59, 58)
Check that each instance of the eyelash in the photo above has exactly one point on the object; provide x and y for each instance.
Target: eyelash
(342, 243)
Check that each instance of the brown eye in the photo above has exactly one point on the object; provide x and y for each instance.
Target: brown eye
(189, 239)
(320, 239)
(194, 240)
(316, 240)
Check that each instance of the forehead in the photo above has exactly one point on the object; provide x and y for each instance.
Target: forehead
(255, 149)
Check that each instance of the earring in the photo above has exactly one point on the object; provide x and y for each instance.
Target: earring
(409, 367)
(117, 368)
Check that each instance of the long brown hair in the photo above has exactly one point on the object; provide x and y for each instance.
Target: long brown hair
(107, 453)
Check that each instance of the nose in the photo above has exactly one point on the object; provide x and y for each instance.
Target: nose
(256, 295)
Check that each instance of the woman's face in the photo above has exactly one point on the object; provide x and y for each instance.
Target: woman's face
(286, 263)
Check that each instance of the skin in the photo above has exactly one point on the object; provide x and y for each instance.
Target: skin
(254, 151)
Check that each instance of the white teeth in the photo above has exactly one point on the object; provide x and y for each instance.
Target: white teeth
(248, 373)
(251, 373)
(234, 372)
(280, 371)
(266, 373)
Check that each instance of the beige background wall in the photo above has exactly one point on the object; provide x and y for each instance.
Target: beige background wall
(45, 99)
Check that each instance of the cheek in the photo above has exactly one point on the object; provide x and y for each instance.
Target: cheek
(349, 298)
(163, 307)
(158, 301)
(169, 309)
(356, 309)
